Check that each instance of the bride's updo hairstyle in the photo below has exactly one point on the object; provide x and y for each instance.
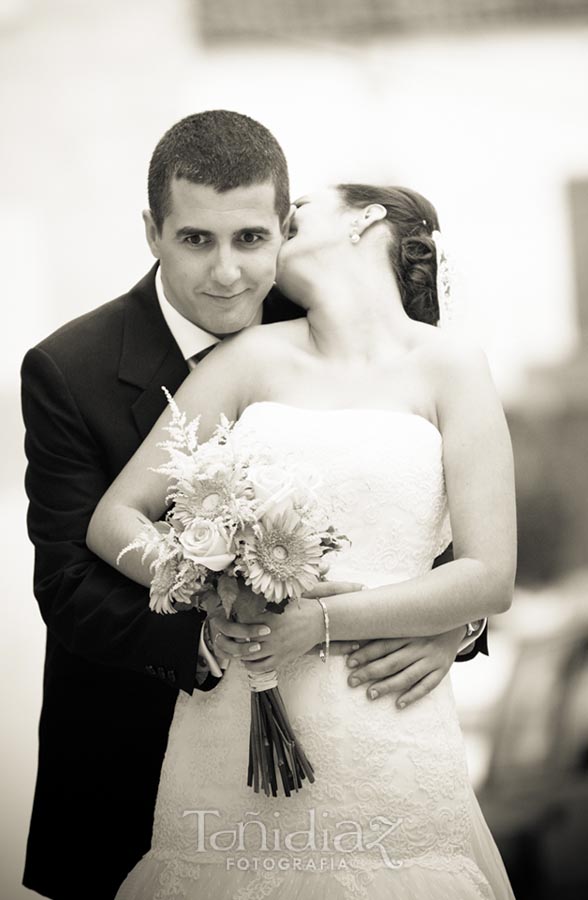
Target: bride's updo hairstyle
(411, 220)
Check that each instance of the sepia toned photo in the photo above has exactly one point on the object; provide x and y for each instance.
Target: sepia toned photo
(295, 387)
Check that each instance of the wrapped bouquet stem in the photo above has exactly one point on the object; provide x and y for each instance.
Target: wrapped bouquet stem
(251, 529)
(276, 757)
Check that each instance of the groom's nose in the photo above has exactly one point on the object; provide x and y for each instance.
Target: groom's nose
(225, 267)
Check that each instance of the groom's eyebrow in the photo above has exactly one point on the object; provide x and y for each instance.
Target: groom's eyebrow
(193, 229)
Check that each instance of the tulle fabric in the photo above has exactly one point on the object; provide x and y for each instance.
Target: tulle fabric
(460, 879)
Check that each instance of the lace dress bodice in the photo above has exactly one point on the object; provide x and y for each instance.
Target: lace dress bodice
(399, 776)
(382, 473)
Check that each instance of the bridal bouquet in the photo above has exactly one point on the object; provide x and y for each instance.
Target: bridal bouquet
(239, 516)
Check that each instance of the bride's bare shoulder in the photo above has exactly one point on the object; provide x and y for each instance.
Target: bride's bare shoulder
(258, 342)
(448, 355)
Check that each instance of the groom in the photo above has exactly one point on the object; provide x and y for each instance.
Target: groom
(219, 202)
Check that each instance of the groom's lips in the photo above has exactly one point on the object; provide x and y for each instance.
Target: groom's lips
(224, 297)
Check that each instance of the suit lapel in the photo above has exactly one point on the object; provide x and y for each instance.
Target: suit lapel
(151, 403)
(150, 357)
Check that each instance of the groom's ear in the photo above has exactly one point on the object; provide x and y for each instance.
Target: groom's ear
(151, 232)
(285, 229)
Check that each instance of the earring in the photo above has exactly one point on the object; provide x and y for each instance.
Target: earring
(354, 235)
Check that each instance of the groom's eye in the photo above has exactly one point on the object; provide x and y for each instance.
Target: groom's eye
(197, 240)
(249, 237)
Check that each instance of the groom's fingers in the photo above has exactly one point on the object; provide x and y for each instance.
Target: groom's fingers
(405, 683)
(374, 650)
(342, 648)
(385, 667)
(421, 688)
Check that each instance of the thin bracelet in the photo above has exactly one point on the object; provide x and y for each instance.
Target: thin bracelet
(324, 651)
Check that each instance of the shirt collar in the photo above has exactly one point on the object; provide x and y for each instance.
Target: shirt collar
(190, 338)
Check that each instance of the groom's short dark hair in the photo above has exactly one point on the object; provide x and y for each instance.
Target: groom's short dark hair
(220, 149)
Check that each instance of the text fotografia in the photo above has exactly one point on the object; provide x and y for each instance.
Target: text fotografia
(347, 838)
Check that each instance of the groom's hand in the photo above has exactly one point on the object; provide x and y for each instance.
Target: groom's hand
(409, 667)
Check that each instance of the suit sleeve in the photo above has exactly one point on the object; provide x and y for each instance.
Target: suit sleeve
(90, 608)
(480, 645)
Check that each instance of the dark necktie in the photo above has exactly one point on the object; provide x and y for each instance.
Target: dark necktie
(194, 360)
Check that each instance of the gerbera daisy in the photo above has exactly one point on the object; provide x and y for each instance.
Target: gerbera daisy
(282, 557)
(208, 498)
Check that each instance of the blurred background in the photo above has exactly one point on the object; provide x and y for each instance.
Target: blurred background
(482, 105)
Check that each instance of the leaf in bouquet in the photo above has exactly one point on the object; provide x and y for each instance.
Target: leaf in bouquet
(277, 608)
(209, 601)
(333, 542)
(228, 591)
(248, 606)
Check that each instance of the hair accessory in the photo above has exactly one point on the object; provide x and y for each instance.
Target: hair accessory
(446, 304)
(424, 221)
(324, 651)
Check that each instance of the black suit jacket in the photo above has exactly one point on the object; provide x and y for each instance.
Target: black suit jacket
(90, 393)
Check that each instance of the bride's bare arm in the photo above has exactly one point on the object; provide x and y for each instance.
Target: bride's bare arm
(221, 383)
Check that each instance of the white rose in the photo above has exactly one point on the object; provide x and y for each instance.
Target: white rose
(207, 545)
(272, 488)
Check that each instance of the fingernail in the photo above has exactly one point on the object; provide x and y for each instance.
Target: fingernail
(254, 648)
(352, 663)
(355, 646)
(373, 694)
(264, 630)
(354, 682)
(402, 704)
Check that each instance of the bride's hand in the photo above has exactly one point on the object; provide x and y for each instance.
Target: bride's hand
(297, 630)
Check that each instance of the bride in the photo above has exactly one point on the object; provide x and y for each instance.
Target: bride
(403, 424)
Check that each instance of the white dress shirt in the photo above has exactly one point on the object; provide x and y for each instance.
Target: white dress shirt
(191, 339)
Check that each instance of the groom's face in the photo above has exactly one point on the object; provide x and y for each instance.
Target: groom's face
(218, 253)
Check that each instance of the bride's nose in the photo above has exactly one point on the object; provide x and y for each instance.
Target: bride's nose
(225, 269)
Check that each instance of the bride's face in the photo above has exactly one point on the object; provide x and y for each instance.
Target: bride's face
(320, 223)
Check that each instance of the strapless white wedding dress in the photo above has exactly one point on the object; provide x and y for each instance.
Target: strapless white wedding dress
(391, 813)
